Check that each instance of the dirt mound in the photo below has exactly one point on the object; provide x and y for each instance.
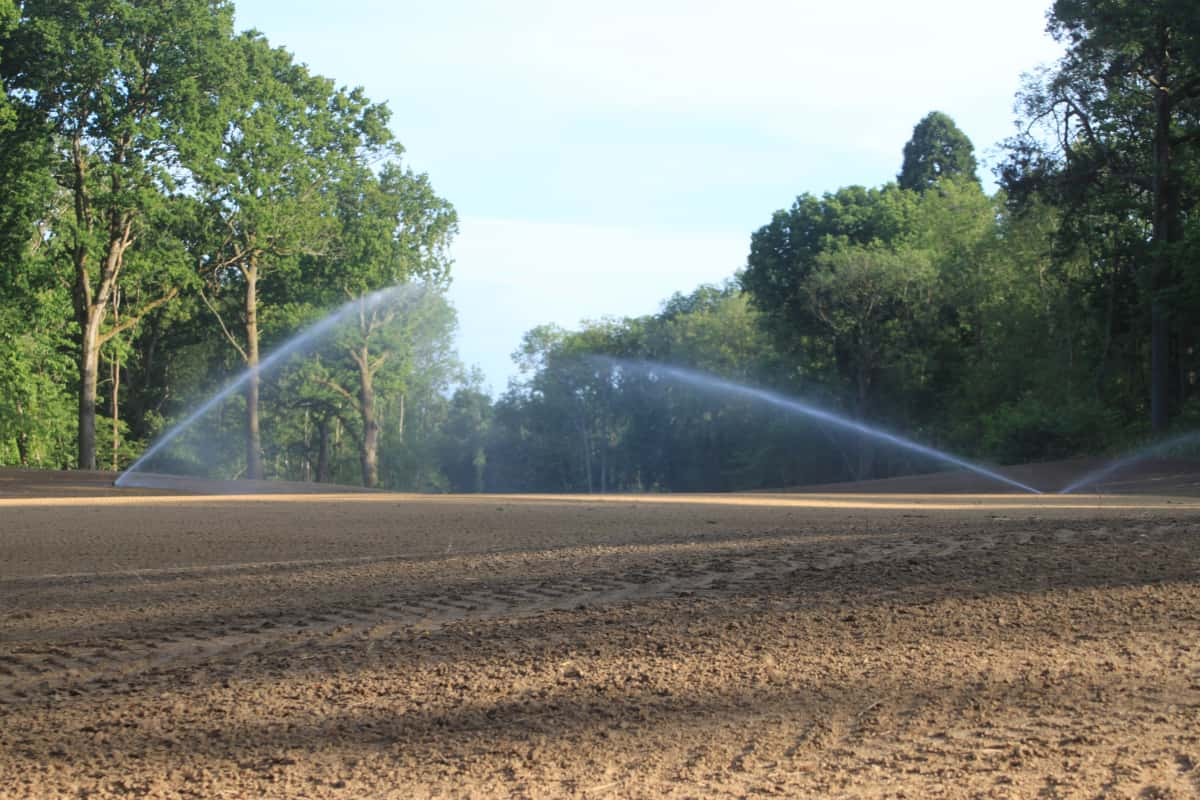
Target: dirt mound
(83, 483)
(1178, 477)
(1153, 476)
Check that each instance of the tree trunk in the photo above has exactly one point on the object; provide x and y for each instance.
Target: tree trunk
(89, 367)
(1160, 330)
(254, 468)
(116, 430)
(587, 455)
(87, 315)
(115, 371)
(22, 437)
(1110, 315)
(604, 466)
(323, 434)
(370, 425)
(91, 304)
(479, 462)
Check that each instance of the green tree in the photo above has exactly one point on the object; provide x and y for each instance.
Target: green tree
(594, 412)
(687, 441)
(464, 439)
(413, 397)
(122, 89)
(787, 253)
(1112, 138)
(868, 299)
(268, 189)
(395, 237)
(937, 150)
(28, 199)
(8, 21)
(396, 347)
(36, 428)
(576, 396)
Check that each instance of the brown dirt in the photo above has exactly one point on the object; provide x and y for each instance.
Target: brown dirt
(378, 645)
(1161, 476)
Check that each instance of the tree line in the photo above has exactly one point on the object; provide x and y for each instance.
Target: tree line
(175, 197)
(1051, 318)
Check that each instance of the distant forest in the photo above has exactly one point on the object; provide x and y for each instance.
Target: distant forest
(177, 199)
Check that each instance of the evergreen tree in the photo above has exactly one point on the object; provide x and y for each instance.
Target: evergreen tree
(937, 150)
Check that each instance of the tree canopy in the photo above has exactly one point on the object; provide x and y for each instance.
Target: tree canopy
(122, 89)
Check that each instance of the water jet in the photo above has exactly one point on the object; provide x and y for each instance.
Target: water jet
(711, 383)
(304, 341)
(1118, 464)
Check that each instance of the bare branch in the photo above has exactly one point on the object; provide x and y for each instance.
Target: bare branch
(337, 387)
(378, 362)
(236, 345)
(1084, 121)
(134, 319)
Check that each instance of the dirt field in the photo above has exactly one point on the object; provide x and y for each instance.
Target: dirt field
(375, 645)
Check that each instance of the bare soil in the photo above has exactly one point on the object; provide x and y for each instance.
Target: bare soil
(375, 645)
(1161, 476)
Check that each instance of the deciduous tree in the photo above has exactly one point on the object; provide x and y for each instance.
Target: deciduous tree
(122, 89)
(269, 189)
(395, 233)
(1112, 136)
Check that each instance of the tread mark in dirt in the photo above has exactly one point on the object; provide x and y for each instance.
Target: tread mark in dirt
(27, 672)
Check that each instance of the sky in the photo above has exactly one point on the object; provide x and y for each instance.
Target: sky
(605, 156)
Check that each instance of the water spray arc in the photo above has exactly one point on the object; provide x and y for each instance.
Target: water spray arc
(298, 343)
(711, 383)
(1112, 467)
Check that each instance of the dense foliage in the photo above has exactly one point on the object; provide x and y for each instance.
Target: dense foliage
(176, 198)
(1112, 141)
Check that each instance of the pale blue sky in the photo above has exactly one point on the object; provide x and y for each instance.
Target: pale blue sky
(603, 156)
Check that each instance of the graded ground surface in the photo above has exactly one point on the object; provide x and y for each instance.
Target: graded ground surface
(379, 645)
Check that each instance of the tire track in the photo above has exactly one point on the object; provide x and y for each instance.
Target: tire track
(32, 670)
